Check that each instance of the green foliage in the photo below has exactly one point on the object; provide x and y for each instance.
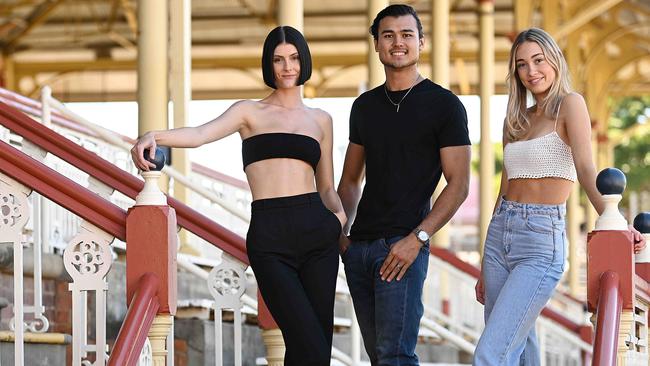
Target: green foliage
(632, 156)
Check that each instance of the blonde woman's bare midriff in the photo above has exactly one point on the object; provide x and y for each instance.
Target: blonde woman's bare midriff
(551, 191)
(280, 177)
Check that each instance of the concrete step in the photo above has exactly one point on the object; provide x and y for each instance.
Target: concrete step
(40, 349)
(429, 351)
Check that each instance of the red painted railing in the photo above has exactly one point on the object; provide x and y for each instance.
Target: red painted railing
(101, 213)
(117, 179)
(34, 108)
(610, 305)
(139, 317)
(469, 269)
(62, 190)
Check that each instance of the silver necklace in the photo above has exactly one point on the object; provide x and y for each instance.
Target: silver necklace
(401, 100)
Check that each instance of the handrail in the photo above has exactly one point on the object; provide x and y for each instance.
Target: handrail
(62, 190)
(118, 180)
(138, 321)
(610, 305)
(469, 269)
(34, 107)
(117, 141)
(69, 118)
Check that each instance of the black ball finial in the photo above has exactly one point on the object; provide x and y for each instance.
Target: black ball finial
(610, 181)
(642, 222)
(159, 159)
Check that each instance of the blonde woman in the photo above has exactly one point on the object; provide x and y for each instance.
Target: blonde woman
(547, 147)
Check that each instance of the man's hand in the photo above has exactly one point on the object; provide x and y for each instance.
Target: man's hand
(480, 290)
(344, 243)
(402, 255)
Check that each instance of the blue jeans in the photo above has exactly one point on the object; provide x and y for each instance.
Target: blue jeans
(523, 261)
(388, 313)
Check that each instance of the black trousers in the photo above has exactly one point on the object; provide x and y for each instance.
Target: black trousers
(292, 245)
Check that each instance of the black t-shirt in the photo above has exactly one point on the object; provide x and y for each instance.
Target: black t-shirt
(402, 154)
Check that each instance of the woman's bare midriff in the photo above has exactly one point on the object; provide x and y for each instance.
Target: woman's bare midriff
(280, 177)
(550, 191)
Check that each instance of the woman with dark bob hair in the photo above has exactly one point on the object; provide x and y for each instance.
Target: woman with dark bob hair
(296, 219)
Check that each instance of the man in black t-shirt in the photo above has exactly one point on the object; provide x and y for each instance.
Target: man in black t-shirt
(404, 135)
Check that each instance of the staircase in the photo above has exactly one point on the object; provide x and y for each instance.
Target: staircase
(452, 322)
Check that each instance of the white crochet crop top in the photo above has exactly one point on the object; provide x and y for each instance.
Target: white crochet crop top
(540, 157)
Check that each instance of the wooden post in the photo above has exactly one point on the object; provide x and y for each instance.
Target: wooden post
(151, 248)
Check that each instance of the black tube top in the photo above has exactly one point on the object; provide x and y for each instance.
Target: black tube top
(280, 145)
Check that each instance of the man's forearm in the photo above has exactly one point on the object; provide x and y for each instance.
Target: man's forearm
(446, 205)
(350, 195)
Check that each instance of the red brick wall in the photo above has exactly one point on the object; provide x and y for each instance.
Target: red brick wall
(56, 299)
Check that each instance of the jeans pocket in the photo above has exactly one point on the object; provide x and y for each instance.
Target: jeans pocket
(538, 223)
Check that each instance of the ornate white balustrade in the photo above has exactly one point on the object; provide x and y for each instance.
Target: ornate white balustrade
(88, 258)
(227, 283)
(463, 316)
(14, 214)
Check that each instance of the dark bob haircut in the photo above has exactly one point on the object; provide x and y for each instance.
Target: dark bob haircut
(285, 34)
(396, 10)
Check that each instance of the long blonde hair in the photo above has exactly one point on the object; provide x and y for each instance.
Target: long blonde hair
(517, 121)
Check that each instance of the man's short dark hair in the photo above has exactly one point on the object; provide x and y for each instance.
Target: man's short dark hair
(279, 35)
(395, 10)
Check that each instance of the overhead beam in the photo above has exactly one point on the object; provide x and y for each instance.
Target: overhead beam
(131, 16)
(523, 14)
(112, 15)
(584, 16)
(308, 14)
(254, 93)
(32, 20)
(233, 62)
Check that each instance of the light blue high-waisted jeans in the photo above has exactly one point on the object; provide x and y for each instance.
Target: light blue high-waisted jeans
(522, 263)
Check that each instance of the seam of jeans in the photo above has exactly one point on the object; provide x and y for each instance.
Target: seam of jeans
(521, 320)
(401, 333)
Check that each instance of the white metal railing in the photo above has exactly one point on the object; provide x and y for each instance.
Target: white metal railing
(227, 284)
(58, 227)
(116, 141)
(14, 214)
(88, 258)
(464, 317)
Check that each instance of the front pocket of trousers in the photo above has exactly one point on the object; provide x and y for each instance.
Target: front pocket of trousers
(336, 224)
(542, 224)
(530, 245)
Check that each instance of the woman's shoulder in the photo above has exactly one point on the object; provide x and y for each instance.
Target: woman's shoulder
(320, 114)
(323, 118)
(573, 100)
(247, 104)
(243, 107)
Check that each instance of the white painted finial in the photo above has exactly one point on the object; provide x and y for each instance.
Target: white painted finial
(611, 218)
(151, 195)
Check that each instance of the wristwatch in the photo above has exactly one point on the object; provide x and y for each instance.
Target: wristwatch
(421, 235)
